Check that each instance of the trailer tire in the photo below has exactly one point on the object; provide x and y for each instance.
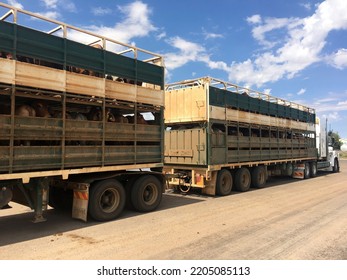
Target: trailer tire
(307, 172)
(106, 200)
(313, 169)
(259, 177)
(224, 182)
(146, 193)
(242, 179)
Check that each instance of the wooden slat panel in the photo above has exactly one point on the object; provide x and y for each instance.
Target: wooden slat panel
(7, 71)
(185, 105)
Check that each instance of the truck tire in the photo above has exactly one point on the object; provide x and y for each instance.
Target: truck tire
(313, 169)
(224, 182)
(106, 200)
(336, 167)
(242, 179)
(146, 193)
(259, 177)
(307, 171)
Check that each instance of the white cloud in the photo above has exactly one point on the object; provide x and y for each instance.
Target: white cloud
(161, 35)
(268, 25)
(57, 4)
(136, 23)
(50, 14)
(187, 51)
(301, 91)
(338, 59)
(303, 45)
(295, 44)
(15, 3)
(334, 116)
(99, 11)
(342, 103)
(211, 35)
(255, 19)
(335, 102)
(50, 4)
(307, 6)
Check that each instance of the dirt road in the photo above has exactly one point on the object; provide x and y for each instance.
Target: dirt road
(289, 219)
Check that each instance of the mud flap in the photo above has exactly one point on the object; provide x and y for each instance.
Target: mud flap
(299, 171)
(80, 202)
(210, 185)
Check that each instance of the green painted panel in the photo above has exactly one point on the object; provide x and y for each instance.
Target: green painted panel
(6, 36)
(120, 65)
(39, 45)
(84, 56)
(227, 99)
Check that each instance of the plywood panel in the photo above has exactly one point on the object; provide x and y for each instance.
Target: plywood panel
(185, 105)
(7, 72)
(32, 75)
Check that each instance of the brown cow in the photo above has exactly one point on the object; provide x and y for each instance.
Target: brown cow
(95, 114)
(6, 55)
(24, 111)
(41, 109)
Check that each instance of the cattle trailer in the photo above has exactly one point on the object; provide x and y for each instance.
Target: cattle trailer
(221, 137)
(81, 126)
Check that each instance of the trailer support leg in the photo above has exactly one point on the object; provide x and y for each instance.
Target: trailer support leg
(41, 187)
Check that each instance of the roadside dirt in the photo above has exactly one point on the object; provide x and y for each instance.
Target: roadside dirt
(289, 219)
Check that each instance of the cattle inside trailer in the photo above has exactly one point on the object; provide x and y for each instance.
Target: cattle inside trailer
(81, 126)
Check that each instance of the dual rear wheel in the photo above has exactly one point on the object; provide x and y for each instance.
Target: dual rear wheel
(107, 198)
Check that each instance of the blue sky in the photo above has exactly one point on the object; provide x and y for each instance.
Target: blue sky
(296, 50)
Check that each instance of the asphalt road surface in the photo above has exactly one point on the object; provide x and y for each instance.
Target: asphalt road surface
(289, 219)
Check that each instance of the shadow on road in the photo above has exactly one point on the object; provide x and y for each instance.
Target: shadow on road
(18, 227)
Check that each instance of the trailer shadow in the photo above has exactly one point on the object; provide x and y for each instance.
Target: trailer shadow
(16, 224)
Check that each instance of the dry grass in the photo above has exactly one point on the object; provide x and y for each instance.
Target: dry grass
(343, 155)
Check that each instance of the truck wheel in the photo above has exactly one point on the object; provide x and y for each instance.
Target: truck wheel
(146, 193)
(307, 173)
(259, 177)
(106, 200)
(243, 179)
(336, 167)
(224, 182)
(313, 169)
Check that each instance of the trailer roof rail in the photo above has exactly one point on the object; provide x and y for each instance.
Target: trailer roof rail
(67, 30)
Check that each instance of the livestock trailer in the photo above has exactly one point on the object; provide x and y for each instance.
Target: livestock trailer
(221, 137)
(81, 121)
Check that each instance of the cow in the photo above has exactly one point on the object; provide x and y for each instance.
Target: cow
(41, 109)
(24, 110)
(6, 55)
(95, 114)
(139, 119)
